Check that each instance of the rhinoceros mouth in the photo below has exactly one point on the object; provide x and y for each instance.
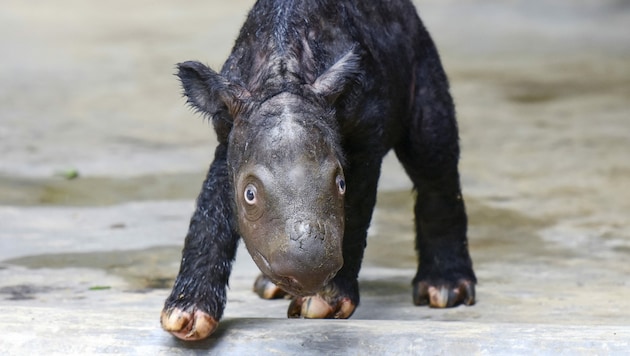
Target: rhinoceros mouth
(288, 283)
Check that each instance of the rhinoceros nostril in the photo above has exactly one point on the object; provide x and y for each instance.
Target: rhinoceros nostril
(297, 230)
(323, 231)
(301, 230)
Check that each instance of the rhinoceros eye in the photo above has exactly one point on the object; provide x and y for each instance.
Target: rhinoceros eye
(341, 184)
(250, 194)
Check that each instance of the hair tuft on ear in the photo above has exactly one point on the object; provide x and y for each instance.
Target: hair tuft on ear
(336, 79)
(209, 92)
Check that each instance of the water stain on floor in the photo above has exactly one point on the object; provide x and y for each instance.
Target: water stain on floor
(23, 291)
(493, 232)
(97, 191)
(150, 268)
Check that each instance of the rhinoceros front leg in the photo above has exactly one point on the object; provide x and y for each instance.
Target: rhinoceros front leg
(196, 303)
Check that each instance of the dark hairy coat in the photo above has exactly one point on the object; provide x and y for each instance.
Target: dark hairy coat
(373, 77)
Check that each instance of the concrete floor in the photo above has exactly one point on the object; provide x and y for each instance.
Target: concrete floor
(543, 97)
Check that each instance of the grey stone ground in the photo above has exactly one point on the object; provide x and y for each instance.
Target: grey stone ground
(543, 94)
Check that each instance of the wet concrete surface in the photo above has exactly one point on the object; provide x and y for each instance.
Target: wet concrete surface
(543, 99)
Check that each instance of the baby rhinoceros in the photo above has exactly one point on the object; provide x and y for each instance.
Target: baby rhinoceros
(312, 97)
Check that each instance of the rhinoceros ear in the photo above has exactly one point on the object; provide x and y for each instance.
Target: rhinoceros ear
(335, 79)
(208, 91)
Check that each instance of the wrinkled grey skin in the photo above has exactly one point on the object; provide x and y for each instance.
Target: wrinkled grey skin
(284, 159)
(293, 226)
